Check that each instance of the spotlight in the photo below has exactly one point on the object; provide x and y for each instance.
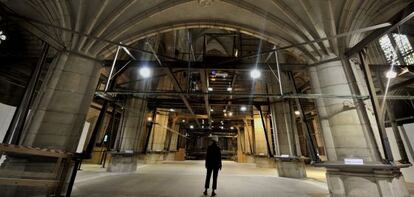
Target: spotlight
(297, 113)
(145, 72)
(172, 110)
(391, 74)
(191, 127)
(243, 108)
(210, 89)
(2, 36)
(255, 73)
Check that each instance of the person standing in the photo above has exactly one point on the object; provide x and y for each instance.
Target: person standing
(213, 165)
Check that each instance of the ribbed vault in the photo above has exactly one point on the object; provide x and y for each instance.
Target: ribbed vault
(282, 22)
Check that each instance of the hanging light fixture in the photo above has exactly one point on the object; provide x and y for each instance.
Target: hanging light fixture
(243, 108)
(145, 72)
(2, 37)
(391, 74)
(255, 73)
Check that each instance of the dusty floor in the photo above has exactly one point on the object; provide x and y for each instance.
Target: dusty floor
(187, 179)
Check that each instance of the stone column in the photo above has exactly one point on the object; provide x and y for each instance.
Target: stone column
(57, 115)
(344, 138)
(261, 154)
(132, 134)
(156, 147)
(135, 119)
(60, 108)
(249, 140)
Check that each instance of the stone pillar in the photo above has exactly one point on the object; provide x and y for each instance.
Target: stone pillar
(288, 162)
(261, 155)
(344, 138)
(60, 108)
(156, 147)
(249, 141)
(132, 134)
(57, 115)
(135, 119)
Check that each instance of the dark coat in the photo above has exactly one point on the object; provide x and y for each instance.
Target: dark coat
(213, 157)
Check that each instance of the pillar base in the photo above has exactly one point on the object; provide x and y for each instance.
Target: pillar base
(366, 181)
(265, 162)
(250, 158)
(154, 157)
(122, 162)
(170, 156)
(291, 167)
(180, 155)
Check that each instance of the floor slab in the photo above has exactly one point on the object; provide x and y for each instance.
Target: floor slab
(187, 179)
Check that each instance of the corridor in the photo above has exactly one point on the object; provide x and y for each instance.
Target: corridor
(187, 179)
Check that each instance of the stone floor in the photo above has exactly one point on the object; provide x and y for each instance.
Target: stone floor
(187, 179)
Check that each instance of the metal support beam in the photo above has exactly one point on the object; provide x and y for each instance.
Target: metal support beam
(394, 126)
(397, 20)
(311, 146)
(376, 107)
(269, 149)
(361, 111)
(14, 133)
(199, 65)
(175, 82)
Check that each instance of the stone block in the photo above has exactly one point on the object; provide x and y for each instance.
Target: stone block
(291, 168)
(366, 183)
(122, 162)
(180, 154)
(265, 162)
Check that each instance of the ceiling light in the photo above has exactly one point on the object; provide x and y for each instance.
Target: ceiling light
(145, 72)
(172, 110)
(202, 127)
(191, 127)
(230, 113)
(149, 119)
(211, 109)
(213, 79)
(183, 120)
(2, 36)
(297, 113)
(243, 108)
(210, 89)
(212, 120)
(225, 115)
(221, 127)
(255, 73)
(231, 128)
(224, 110)
(229, 89)
(391, 74)
(236, 53)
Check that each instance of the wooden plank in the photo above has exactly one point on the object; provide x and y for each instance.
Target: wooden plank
(33, 151)
(28, 182)
(26, 174)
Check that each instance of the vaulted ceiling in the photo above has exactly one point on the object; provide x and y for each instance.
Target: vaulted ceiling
(281, 22)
